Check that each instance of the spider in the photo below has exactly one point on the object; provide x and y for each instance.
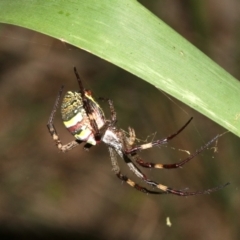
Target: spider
(85, 120)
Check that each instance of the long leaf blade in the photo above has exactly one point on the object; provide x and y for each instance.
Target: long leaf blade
(125, 33)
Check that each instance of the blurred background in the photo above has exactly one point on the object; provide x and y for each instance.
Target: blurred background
(45, 194)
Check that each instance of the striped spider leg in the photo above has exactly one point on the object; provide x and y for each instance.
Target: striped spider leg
(133, 155)
(117, 171)
(132, 150)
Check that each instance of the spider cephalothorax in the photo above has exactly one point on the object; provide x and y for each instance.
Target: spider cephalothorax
(86, 121)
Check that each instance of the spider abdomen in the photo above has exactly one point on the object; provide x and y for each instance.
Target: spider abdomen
(77, 121)
(75, 118)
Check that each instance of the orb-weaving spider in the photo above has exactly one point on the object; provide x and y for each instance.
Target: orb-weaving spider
(86, 121)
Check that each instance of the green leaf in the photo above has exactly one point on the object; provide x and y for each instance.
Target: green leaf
(124, 33)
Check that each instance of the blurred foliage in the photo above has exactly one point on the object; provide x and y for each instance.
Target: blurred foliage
(46, 194)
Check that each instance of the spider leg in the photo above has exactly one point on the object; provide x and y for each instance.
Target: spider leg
(112, 110)
(86, 104)
(158, 142)
(185, 193)
(124, 178)
(164, 188)
(53, 131)
(173, 165)
(159, 186)
(141, 162)
(82, 89)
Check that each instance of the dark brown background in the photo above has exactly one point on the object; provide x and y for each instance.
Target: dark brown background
(47, 194)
